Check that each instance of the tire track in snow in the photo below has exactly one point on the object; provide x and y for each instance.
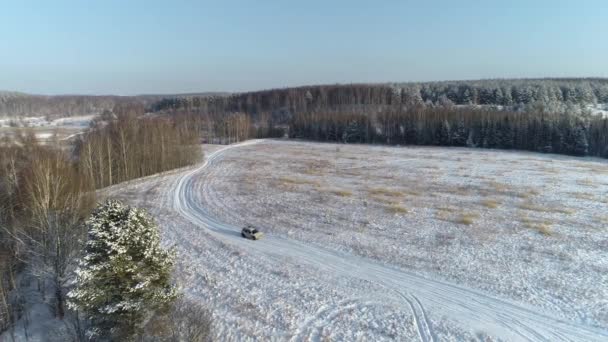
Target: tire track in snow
(473, 309)
(312, 327)
(420, 318)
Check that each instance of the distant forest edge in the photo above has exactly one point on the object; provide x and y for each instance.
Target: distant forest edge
(14, 104)
(548, 115)
(544, 115)
(548, 95)
(551, 95)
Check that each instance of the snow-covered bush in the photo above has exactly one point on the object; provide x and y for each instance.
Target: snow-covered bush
(124, 274)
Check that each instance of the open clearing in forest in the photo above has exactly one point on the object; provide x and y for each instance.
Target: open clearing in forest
(528, 228)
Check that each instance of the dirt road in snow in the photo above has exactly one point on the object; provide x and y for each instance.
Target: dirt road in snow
(472, 309)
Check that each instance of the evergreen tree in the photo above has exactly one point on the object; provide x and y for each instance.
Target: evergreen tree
(546, 137)
(575, 140)
(353, 132)
(505, 134)
(410, 133)
(124, 275)
(460, 134)
(580, 146)
(442, 134)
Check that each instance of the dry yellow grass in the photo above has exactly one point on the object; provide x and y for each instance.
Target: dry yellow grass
(535, 207)
(442, 215)
(382, 199)
(490, 203)
(532, 207)
(397, 209)
(586, 182)
(298, 181)
(528, 193)
(544, 229)
(582, 196)
(385, 192)
(339, 192)
(460, 191)
(550, 170)
(411, 192)
(601, 219)
(498, 187)
(467, 219)
(541, 226)
(312, 171)
(600, 168)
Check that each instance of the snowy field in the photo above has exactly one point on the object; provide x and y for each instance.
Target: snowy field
(46, 129)
(389, 243)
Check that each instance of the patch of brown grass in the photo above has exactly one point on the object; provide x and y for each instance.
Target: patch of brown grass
(490, 203)
(550, 170)
(582, 196)
(542, 226)
(460, 191)
(317, 167)
(298, 181)
(442, 215)
(396, 208)
(411, 192)
(585, 182)
(467, 219)
(535, 207)
(528, 193)
(384, 192)
(382, 199)
(311, 171)
(498, 187)
(339, 192)
(601, 219)
(544, 229)
(600, 168)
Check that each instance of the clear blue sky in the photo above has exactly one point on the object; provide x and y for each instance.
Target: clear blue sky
(133, 47)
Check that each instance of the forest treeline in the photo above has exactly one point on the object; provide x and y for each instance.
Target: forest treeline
(547, 95)
(19, 104)
(550, 133)
(46, 192)
(133, 146)
(535, 115)
(14, 104)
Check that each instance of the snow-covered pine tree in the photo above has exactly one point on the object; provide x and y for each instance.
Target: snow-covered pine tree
(124, 274)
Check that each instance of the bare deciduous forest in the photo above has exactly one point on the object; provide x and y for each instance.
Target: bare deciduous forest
(46, 192)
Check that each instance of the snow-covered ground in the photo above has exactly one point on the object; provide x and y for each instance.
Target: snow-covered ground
(81, 121)
(389, 243)
(64, 128)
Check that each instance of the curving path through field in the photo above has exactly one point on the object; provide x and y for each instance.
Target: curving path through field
(470, 308)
